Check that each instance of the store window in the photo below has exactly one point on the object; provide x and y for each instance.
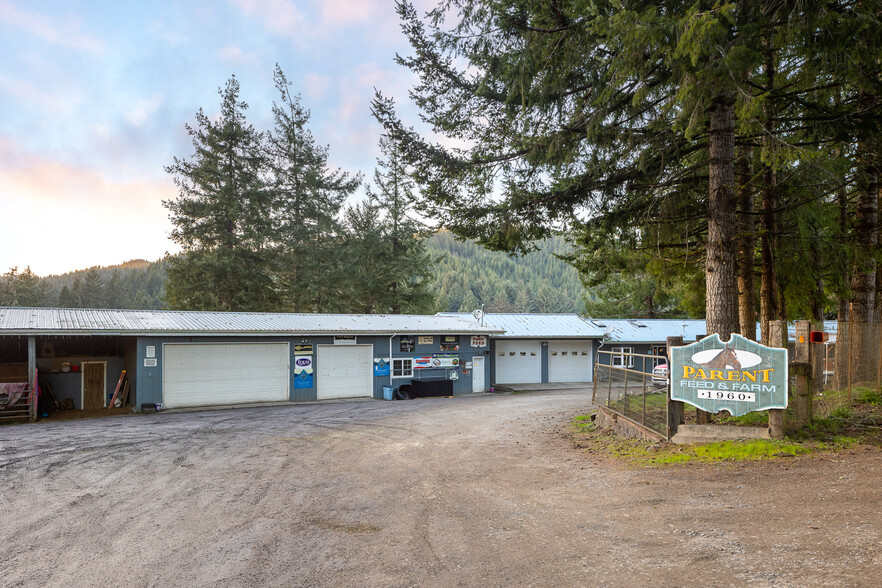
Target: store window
(402, 368)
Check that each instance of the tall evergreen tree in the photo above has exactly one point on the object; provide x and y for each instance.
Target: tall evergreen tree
(307, 198)
(222, 216)
(407, 260)
(92, 295)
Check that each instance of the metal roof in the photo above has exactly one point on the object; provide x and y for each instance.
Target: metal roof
(546, 326)
(658, 330)
(648, 330)
(70, 321)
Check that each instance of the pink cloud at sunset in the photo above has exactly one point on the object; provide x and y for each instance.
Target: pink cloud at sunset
(75, 217)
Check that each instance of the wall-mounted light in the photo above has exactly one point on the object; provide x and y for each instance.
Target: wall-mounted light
(545, 344)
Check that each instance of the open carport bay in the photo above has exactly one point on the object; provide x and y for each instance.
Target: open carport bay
(484, 490)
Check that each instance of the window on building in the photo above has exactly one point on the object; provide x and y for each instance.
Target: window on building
(622, 357)
(660, 355)
(402, 367)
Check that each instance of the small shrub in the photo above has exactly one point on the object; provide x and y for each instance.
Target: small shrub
(869, 396)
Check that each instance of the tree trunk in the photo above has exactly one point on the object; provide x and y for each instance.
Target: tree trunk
(865, 231)
(842, 340)
(721, 264)
(769, 310)
(746, 296)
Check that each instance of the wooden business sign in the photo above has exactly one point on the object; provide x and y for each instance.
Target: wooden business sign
(739, 376)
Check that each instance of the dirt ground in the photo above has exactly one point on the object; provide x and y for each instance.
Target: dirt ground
(475, 491)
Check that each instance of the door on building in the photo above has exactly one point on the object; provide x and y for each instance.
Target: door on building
(478, 373)
(569, 361)
(518, 361)
(94, 391)
(203, 374)
(345, 371)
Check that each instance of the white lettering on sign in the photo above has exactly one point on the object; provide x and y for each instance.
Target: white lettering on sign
(479, 341)
(723, 395)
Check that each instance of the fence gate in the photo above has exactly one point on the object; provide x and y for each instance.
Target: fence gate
(625, 383)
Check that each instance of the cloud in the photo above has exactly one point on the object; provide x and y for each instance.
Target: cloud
(144, 109)
(348, 12)
(234, 55)
(316, 86)
(65, 32)
(278, 16)
(74, 217)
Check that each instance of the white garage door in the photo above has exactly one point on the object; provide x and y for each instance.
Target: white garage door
(201, 374)
(569, 361)
(345, 371)
(518, 362)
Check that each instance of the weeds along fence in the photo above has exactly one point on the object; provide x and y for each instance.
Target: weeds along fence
(624, 383)
(847, 368)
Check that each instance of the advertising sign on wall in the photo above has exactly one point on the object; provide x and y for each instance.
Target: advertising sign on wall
(436, 360)
(406, 344)
(381, 366)
(303, 371)
(303, 350)
(740, 376)
(426, 340)
(421, 363)
(479, 341)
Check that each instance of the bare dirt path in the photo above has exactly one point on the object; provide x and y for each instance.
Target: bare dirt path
(476, 491)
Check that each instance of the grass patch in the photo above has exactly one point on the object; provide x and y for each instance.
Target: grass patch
(751, 419)
(638, 452)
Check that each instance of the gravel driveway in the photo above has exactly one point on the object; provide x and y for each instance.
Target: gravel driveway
(469, 491)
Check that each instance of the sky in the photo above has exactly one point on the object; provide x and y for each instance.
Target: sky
(94, 97)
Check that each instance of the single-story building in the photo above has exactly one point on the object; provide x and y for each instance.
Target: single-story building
(539, 348)
(642, 337)
(182, 359)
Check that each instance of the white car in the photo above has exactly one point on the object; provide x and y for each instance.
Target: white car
(660, 373)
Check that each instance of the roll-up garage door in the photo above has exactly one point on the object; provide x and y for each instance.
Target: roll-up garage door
(201, 374)
(518, 362)
(345, 371)
(569, 361)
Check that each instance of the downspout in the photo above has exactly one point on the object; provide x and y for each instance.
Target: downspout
(392, 336)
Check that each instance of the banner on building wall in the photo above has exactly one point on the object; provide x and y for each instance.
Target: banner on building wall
(381, 366)
(303, 371)
(437, 361)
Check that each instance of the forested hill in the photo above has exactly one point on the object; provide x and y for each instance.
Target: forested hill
(466, 276)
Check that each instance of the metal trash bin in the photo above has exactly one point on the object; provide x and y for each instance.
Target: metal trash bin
(388, 393)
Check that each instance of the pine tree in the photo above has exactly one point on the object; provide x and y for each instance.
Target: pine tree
(307, 198)
(408, 263)
(222, 216)
(92, 295)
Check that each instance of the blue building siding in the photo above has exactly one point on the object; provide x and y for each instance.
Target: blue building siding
(148, 378)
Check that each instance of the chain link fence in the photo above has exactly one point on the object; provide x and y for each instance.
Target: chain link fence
(847, 368)
(625, 383)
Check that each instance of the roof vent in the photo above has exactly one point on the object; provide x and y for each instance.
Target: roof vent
(636, 323)
(597, 323)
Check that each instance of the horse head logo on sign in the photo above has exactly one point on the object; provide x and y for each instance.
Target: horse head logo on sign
(739, 376)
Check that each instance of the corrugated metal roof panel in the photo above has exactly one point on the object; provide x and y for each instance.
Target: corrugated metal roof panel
(550, 326)
(85, 321)
(651, 330)
(658, 330)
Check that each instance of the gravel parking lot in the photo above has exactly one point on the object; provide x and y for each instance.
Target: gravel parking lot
(472, 491)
